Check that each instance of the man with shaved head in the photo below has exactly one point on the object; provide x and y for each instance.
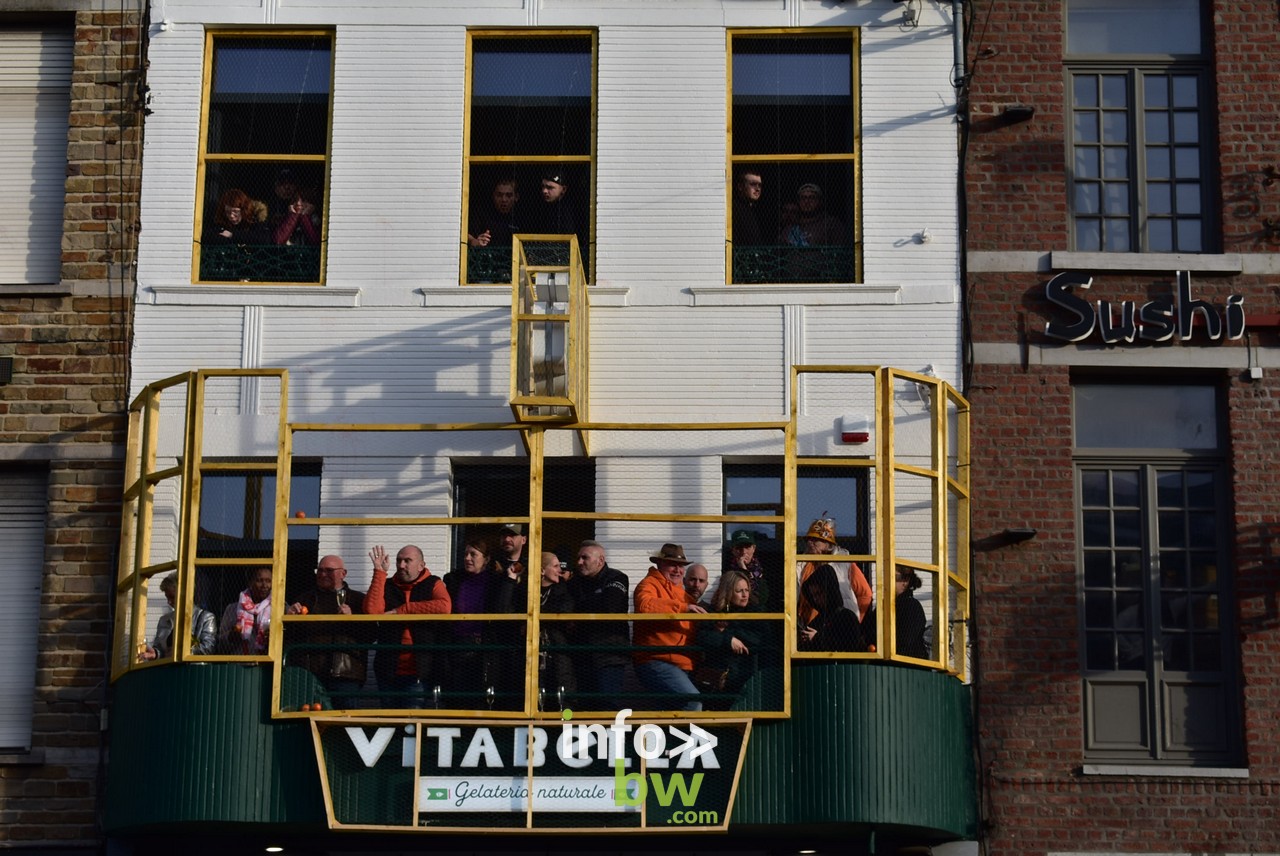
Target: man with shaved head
(341, 672)
(405, 675)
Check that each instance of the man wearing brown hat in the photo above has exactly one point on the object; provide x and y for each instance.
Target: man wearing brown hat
(662, 590)
(821, 539)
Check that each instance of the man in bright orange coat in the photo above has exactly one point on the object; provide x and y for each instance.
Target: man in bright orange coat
(663, 591)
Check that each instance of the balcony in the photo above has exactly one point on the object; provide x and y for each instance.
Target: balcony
(211, 497)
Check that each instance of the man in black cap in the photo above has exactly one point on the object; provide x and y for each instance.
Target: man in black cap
(741, 556)
(511, 541)
(555, 216)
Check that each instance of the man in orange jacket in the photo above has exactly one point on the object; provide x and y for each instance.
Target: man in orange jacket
(663, 591)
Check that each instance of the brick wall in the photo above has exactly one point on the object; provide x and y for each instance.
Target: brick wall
(1030, 718)
(63, 411)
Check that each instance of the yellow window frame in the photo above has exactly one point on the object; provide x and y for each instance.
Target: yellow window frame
(204, 157)
(734, 161)
(469, 160)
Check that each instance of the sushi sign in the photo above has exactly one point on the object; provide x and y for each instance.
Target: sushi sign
(1156, 320)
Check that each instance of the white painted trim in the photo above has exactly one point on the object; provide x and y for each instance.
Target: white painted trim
(787, 295)
(249, 295)
(1191, 356)
(1227, 263)
(1165, 772)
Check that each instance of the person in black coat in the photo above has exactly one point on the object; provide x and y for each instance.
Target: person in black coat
(909, 615)
(834, 628)
(598, 588)
(555, 668)
(484, 677)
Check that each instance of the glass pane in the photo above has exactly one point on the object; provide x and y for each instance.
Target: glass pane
(1158, 162)
(792, 95)
(1128, 529)
(1099, 652)
(1204, 611)
(1176, 654)
(1145, 416)
(1117, 198)
(1200, 490)
(1159, 199)
(1190, 235)
(1175, 610)
(1085, 87)
(1086, 127)
(1115, 127)
(1135, 26)
(1087, 198)
(531, 96)
(1188, 198)
(1097, 609)
(1203, 529)
(1087, 163)
(1187, 161)
(1159, 236)
(1186, 127)
(1088, 235)
(1128, 569)
(1115, 162)
(1186, 91)
(1131, 651)
(1124, 487)
(1157, 126)
(1173, 569)
(1115, 92)
(270, 95)
(1097, 529)
(1117, 236)
(1204, 570)
(1207, 652)
(1173, 530)
(1093, 488)
(1169, 489)
(1155, 91)
(1097, 568)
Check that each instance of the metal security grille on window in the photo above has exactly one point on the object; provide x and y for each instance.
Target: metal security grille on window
(530, 124)
(793, 212)
(262, 206)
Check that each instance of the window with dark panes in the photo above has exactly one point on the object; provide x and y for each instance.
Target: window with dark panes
(528, 164)
(263, 164)
(1158, 656)
(1140, 88)
(793, 213)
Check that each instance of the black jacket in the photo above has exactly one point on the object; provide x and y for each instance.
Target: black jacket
(607, 591)
(324, 663)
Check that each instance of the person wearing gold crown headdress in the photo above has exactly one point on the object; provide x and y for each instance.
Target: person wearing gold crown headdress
(821, 538)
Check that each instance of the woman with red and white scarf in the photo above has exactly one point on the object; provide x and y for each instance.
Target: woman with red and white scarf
(247, 621)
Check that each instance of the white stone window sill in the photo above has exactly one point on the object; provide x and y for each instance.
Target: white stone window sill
(1225, 263)
(1165, 772)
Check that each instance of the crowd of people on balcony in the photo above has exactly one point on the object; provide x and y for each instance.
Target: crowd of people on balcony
(478, 659)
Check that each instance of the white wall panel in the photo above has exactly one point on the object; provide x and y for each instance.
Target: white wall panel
(908, 337)
(395, 193)
(169, 153)
(169, 340)
(660, 203)
(652, 364)
(909, 156)
(386, 365)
